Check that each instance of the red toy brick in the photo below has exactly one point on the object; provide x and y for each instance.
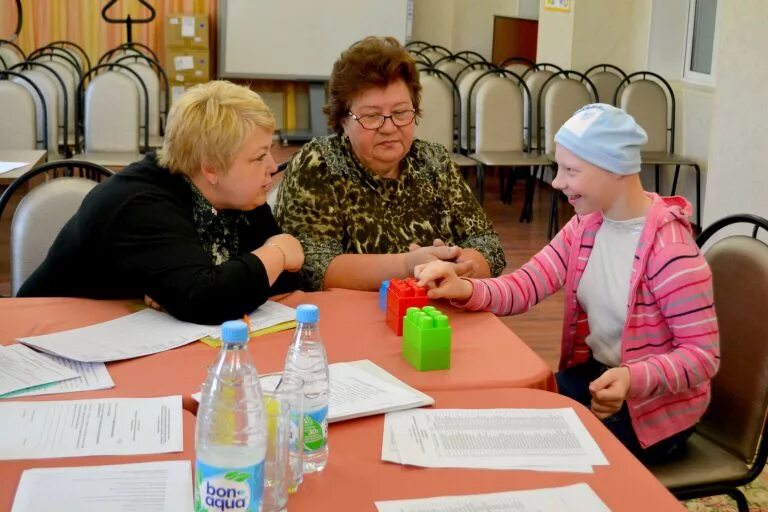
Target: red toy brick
(401, 295)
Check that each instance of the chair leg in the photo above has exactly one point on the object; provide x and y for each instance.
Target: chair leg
(480, 183)
(526, 215)
(674, 180)
(657, 174)
(741, 501)
(697, 170)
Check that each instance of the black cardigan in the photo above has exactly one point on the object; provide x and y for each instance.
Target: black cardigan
(134, 234)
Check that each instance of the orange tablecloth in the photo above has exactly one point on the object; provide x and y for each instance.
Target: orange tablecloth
(355, 476)
(485, 354)
(11, 470)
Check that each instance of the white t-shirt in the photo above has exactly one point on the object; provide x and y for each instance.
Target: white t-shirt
(603, 291)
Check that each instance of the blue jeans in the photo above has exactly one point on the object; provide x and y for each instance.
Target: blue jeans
(574, 382)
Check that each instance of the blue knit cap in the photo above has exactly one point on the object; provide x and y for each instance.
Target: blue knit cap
(604, 136)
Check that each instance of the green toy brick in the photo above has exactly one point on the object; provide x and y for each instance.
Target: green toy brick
(427, 339)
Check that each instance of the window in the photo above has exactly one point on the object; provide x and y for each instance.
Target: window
(700, 57)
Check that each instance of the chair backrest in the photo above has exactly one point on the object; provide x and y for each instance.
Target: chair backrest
(534, 79)
(147, 75)
(437, 120)
(517, 68)
(465, 82)
(606, 83)
(50, 96)
(737, 413)
(498, 114)
(18, 126)
(112, 113)
(451, 67)
(37, 221)
(647, 102)
(67, 75)
(559, 99)
(9, 57)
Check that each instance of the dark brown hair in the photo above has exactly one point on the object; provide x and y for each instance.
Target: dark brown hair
(371, 62)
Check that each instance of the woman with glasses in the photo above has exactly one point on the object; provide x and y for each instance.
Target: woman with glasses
(370, 202)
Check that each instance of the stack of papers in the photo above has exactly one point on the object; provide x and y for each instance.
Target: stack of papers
(22, 368)
(270, 317)
(77, 428)
(89, 377)
(361, 388)
(138, 334)
(532, 439)
(573, 498)
(156, 486)
(9, 166)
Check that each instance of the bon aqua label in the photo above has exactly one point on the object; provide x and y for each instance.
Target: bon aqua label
(228, 489)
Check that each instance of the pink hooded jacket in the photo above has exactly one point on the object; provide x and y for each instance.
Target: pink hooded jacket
(670, 341)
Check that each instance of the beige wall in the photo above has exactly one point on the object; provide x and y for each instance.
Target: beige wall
(555, 43)
(601, 33)
(737, 181)
(433, 22)
(459, 24)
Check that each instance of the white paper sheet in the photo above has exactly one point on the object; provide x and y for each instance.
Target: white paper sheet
(573, 498)
(267, 315)
(148, 486)
(9, 166)
(490, 438)
(187, 26)
(138, 334)
(77, 428)
(22, 367)
(91, 377)
(361, 388)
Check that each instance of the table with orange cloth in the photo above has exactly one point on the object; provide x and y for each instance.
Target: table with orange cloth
(485, 353)
(356, 477)
(11, 470)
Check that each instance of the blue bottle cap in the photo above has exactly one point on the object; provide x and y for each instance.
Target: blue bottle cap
(307, 314)
(234, 331)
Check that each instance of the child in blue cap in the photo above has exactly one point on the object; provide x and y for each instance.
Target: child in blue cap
(640, 337)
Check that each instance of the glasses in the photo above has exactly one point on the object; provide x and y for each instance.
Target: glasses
(399, 118)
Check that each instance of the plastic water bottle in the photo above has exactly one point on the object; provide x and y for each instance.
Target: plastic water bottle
(231, 434)
(306, 358)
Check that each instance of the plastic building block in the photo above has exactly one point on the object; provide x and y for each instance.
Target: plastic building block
(427, 339)
(383, 295)
(401, 295)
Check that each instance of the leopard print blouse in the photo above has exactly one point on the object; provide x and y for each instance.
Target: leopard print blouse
(334, 205)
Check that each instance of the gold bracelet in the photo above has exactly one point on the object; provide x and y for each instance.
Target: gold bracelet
(272, 244)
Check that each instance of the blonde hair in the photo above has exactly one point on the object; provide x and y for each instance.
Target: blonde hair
(208, 124)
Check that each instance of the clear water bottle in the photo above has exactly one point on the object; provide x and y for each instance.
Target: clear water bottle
(231, 434)
(306, 359)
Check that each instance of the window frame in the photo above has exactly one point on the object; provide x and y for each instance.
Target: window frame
(696, 77)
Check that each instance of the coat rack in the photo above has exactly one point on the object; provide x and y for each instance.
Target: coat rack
(127, 20)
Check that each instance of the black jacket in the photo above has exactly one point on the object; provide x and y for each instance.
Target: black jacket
(134, 235)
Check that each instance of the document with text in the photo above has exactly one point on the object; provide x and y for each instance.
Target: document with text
(148, 486)
(573, 498)
(490, 438)
(77, 428)
(138, 334)
(90, 377)
(21, 368)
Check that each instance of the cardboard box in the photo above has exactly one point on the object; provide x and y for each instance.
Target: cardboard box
(182, 31)
(179, 88)
(186, 65)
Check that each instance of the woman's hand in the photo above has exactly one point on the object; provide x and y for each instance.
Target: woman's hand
(151, 303)
(418, 255)
(609, 391)
(443, 281)
(293, 254)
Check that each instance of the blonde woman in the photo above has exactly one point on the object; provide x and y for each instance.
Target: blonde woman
(188, 227)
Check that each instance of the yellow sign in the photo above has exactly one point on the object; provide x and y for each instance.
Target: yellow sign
(557, 5)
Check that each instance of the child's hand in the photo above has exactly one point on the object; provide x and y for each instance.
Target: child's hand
(443, 281)
(609, 391)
